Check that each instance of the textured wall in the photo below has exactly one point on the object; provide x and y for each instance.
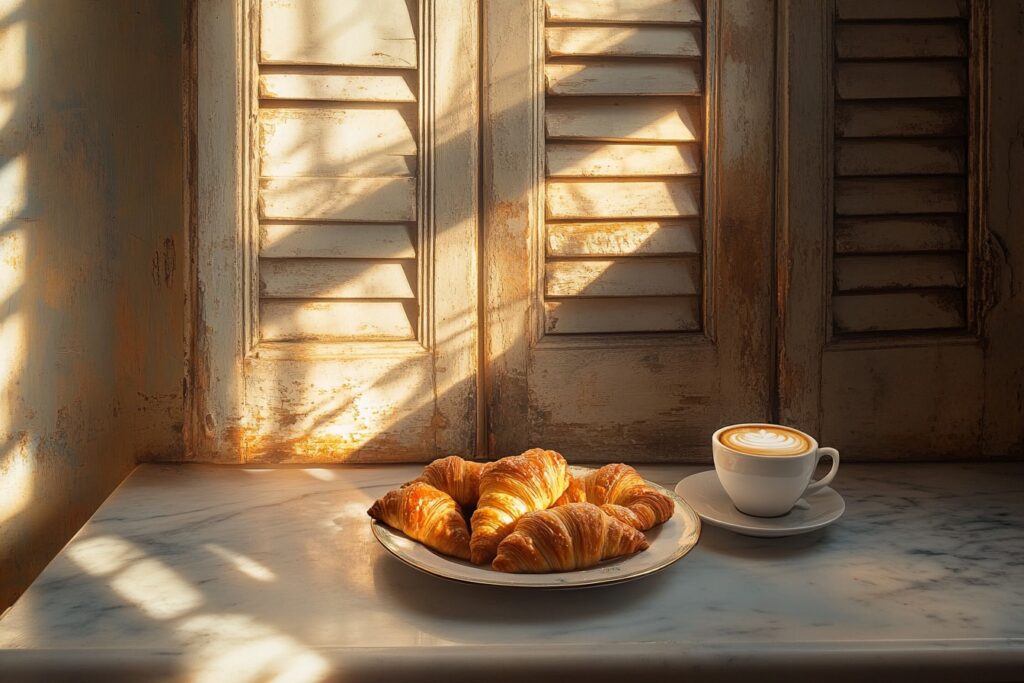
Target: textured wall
(91, 261)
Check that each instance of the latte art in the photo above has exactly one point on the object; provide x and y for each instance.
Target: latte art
(765, 440)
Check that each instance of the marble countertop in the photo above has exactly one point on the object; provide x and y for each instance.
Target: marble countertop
(196, 572)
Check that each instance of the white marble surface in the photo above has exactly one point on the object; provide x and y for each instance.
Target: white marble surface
(214, 573)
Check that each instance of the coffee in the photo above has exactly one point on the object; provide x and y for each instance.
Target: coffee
(765, 440)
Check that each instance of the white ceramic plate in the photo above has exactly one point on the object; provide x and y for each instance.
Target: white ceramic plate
(668, 542)
(705, 493)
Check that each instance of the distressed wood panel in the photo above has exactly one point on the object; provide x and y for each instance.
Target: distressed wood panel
(344, 240)
(900, 80)
(623, 199)
(336, 279)
(913, 233)
(899, 41)
(623, 41)
(381, 86)
(622, 277)
(615, 11)
(381, 33)
(899, 311)
(874, 196)
(624, 78)
(902, 271)
(340, 199)
(652, 119)
(293, 321)
(658, 314)
(597, 159)
(642, 238)
(896, 157)
(336, 142)
(876, 119)
(901, 9)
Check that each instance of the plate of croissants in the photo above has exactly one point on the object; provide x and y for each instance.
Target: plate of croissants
(532, 520)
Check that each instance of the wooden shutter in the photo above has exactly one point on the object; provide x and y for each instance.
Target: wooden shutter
(899, 334)
(627, 236)
(338, 167)
(623, 159)
(902, 197)
(337, 230)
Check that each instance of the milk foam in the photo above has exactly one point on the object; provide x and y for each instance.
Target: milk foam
(765, 441)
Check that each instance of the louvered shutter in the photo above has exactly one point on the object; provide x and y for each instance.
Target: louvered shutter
(628, 248)
(624, 107)
(337, 125)
(337, 255)
(901, 166)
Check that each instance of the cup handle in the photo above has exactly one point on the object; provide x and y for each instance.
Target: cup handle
(824, 481)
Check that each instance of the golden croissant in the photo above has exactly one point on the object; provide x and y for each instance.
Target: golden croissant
(620, 484)
(459, 478)
(573, 494)
(430, 516)
(564, 538)
(509, 488)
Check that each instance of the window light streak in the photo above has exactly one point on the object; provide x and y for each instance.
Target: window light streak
(239, 648)
(243, 563)
(13, 57)
(157, 590)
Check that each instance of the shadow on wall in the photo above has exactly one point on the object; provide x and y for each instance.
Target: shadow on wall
(91, 237)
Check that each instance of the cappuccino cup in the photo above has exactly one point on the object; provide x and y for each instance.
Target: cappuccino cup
(766, 468)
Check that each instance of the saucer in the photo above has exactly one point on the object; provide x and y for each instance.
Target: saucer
(704, 493)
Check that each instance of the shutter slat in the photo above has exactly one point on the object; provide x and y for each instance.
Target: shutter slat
(335, 142)
(622, 277)
(585, 316)
(306, 240)
(887, 157)
(619, 41)
(623, 199)
(615, 11)
(338, 199)
(353, 87)
(331, 321)
(882, 235)
(900, 80)
(623, 78)
(901, 9)
(885, 272)
(596, 159)
(898, 311)
(336, 279)
(900, 41)
(874, 196)
(876, 119)
(647, 238)
(652, 119)
(381, 33)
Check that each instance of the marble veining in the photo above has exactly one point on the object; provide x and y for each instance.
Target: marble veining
(271, 565)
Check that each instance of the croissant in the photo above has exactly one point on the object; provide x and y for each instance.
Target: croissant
(509, 488)
(621, 485)
(430, 516)
(459, 478)
(573, 494)
(623, 514)
(563, 538)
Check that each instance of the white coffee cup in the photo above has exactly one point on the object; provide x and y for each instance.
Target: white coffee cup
(766, 468)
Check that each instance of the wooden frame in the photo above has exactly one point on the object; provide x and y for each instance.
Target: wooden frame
(229, 364)
(738, 303)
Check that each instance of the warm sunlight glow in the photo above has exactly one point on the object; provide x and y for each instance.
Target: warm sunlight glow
(243, 563)
(12, 57)
(238, 648)
(18, 454)
(321, 474)
(156, 590)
